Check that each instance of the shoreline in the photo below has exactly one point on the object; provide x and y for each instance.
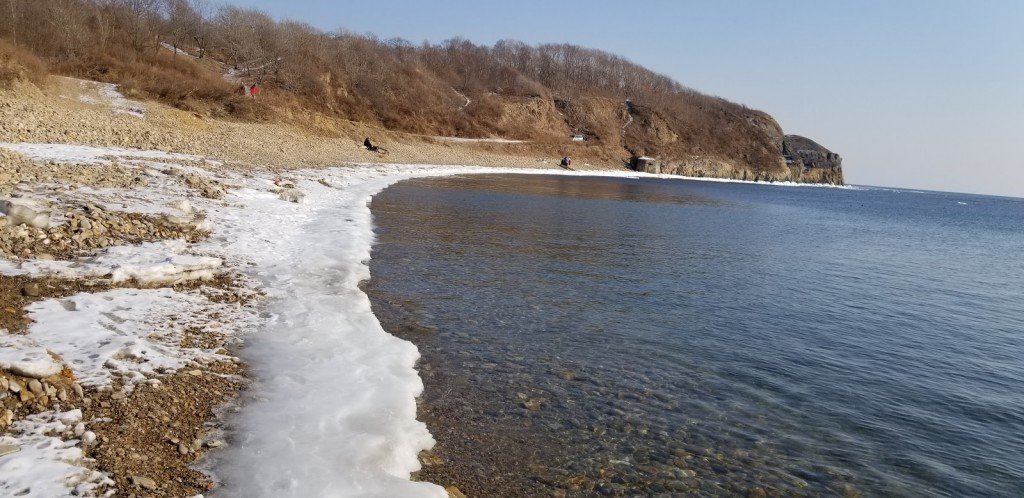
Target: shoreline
(122, 193)
(334, 201)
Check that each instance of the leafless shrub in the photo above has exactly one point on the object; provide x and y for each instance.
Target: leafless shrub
(19, 65)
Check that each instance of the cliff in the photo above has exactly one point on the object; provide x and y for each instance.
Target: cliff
(774, 158)
(811, 162)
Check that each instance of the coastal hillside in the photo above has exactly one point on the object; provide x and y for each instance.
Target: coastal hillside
(560, 99)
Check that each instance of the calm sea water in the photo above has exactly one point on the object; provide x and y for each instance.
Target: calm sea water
(590, 336)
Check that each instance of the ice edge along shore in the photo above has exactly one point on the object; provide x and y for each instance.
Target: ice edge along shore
(332, 411)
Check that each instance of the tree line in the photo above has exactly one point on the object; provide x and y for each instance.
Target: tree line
(179, 50)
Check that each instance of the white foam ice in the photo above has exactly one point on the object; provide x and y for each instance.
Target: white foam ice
(44, 465)
(130, 334)
(334, 412)
(154, 202)
(162, 262)
(23, 356)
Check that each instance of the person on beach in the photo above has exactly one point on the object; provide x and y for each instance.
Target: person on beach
(566, 162)
(254, 90)
(374, 148)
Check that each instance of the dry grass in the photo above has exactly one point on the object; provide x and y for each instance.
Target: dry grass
(17, 64)
(513, 88)
(177, 81)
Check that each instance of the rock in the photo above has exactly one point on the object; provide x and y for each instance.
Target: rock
(31, 289)
(291, 195)
(455, 492)
(144, 482)
(14, 387)
(8, 417)
(36, 387)
(182, 448)
(79, 429)
(195, 373)
(7, 449)
(215, 443)
(532, 404)
(77, 388)
(430, 459)
(118, 396)
(810, 162)
(567, 375)
(757, 492)
(88, 437)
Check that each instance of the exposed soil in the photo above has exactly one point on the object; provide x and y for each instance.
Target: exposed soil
(159, 431)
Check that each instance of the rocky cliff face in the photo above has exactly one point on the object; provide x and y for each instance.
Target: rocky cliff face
(788, 158)
(810, 162)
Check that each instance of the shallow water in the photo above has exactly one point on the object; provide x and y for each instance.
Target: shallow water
(638, 336)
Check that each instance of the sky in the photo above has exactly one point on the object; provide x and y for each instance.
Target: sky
(912, 93)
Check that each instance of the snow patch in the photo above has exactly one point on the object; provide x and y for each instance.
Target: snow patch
(86, 154)
(44, 465)
(21, 355)
(108, 95)
(176, 51)
(162, 262)
(130, 333)
(480, 140)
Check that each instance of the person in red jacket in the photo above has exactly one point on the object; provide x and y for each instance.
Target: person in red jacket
(254, 90)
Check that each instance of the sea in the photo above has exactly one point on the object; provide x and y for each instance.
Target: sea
(585, 336)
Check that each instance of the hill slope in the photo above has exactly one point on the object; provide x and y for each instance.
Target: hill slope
(184, 54)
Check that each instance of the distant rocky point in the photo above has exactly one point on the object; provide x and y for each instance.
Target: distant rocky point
(806, 153)
(792, 158)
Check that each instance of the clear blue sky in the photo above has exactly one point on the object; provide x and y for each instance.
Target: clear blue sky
(914, 93)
